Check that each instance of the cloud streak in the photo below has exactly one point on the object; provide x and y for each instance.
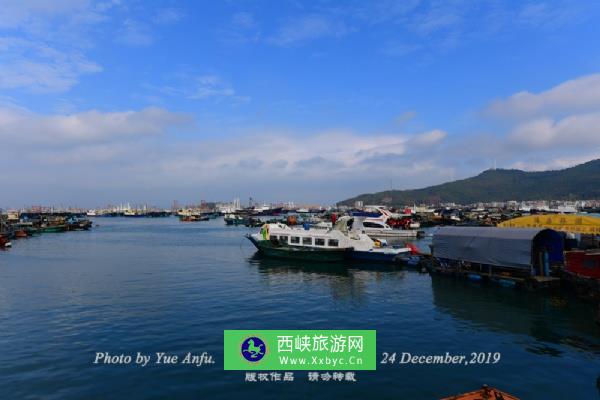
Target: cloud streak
(577, 94)
(136, 149)
(572, 131)
(300, 30)
(211, 86)
(134, 33)
(40, 68)
(19, 127)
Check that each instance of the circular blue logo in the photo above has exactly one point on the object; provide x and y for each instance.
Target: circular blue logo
(253, 349)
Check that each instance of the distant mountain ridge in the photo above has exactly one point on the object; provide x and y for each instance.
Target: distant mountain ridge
(578, 182)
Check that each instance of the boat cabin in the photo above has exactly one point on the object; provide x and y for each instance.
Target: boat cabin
(297, 240)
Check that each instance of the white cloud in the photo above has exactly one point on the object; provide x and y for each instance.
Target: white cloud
(554, 163)
(301, 155)
(38, 67)
(134, 146)
(243, 28)
(195, 87)
(45, 51)
(210, 87)
(19, 127)
(166, 16)
(578, 94)
(429, 138)
(439, 17)
(552, 129)
(134, 33)
(566, 116)
(244, 20)
(17, 13)
(406, 117)
(550, 15)
(572, 131)
(306, 28)
(321, 166)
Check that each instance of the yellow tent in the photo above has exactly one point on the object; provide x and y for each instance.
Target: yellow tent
(559, 222)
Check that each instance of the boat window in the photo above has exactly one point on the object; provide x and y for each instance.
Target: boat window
(371, 225)
(294, 239)
(307, 241)
(319, 242)
(333, 243)
(283, 239)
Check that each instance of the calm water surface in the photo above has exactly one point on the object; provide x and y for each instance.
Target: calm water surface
(153, 285)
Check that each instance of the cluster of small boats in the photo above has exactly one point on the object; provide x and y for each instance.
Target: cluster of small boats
(242, 219)
(377, 222)
(347, 239)
(31, 224)
(196, 215)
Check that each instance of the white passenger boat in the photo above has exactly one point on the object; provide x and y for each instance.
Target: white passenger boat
(345, 240)
(378, 229)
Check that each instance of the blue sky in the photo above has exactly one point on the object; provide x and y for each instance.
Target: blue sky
(309, 101)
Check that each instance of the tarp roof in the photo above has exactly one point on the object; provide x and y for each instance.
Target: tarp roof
(489, 245)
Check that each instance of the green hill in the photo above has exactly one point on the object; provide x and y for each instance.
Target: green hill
(579, 182)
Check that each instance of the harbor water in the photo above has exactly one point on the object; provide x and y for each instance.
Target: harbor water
(159, 285)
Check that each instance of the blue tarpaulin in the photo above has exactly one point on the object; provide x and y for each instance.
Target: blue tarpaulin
(503, 247)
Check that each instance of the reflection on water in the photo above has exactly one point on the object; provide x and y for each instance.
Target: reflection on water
(268, 265)
(349, 281)
(551, 319)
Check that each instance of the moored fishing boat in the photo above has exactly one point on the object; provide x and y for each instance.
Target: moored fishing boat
(76, 224)
(344, 241)
(134, 213)
(253, 222)
(24, 226)
(279, 240)
(266, 209)
(44, 228)
(366, 248)
(383, 254)
(4, 242)
(32, 230)
(21, 233)
(378, 229)
(274, 248)
(380, 222)
(235, 219)
(193, 218)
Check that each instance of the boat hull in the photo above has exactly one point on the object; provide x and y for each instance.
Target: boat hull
(57, 228)
(270, 249)
(394, 233)
(378, 256)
